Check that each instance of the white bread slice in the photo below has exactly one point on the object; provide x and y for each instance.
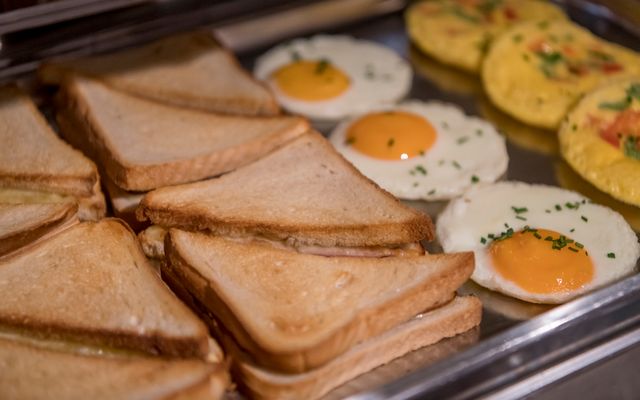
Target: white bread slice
(456, 317)
(143, 145)
(189, 70)
(31, 372)
(294, 312)
(33, 157)
(36, 166)
(303, 193)
(91, 283)
(21, 224)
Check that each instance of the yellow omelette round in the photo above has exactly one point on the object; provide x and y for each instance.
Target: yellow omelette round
(536, 71)
(458, 32)
(600, 139)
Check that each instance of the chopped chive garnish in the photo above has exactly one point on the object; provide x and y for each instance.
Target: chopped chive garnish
(350, 140)
(558, 207)
(479, 132)
(579, 245)
(432, 191)
(455, 164)
(537, 235)
(462, 140)
(322, 66)
(548, 239)
(547, 211)
(572, 230)
(574, 250)
(585, 219)
(572, 206)
(475, 179)
(521, 218)
(611, 255)
(519, 210)
(483, 240)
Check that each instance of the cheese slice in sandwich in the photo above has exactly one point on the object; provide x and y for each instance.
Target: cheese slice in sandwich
(142, 145)
(33, 372)
(189, 70)
(91, 283)
(294, 312)
(21, 224)
(304, 194)
(38, 167)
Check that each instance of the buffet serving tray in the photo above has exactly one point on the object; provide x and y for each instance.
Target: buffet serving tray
(519, 347)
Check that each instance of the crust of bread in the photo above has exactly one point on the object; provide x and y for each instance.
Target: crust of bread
(80, 126)
(194, 343)
(190, 45)
(371, 319)
(58, 214)
(211, 387)
(181, 207)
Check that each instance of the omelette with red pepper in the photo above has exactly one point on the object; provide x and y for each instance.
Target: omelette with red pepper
(536, 71)
(458, 32)
(600, 139)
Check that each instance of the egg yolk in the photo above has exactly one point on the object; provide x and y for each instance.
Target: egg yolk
(311, 80)
(542, 261)
(393, 135)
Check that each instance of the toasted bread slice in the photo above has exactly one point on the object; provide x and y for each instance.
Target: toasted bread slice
(294, 312)
(32, 372)
(303, 193)
(142, 145)
(33, 157)
(91, 283)
(36, 166)
(189, 70)
(456, 317)
(21, 224)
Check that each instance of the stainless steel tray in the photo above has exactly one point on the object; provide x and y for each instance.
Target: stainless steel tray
(519, 347)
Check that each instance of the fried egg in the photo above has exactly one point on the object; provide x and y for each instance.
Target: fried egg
(536, 71)
(331, 77)
(538, 243)
(418, 150)
(458, 32)
(600, 139)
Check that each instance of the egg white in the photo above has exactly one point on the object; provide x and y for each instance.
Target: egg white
(487, 208)
(465, 147)
(377, 74)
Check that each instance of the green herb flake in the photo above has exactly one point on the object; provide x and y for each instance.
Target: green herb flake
(579, 245)
(611, 255)
(456, 164)
(558, 207)
(573, 249)
(295, 56)
(431, 192)
(519, 210)
(521, 218)
(462, 140)
(630, 147)
(475, 179)
(572, 230)
(479, 132)
(537, 235)
(350, 140)
(420, 169)
(615, 105)
(585, 219)
(391, 142)
(322, 66)
(483, 240)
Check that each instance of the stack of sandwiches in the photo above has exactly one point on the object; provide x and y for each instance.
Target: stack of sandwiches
(286, 266)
